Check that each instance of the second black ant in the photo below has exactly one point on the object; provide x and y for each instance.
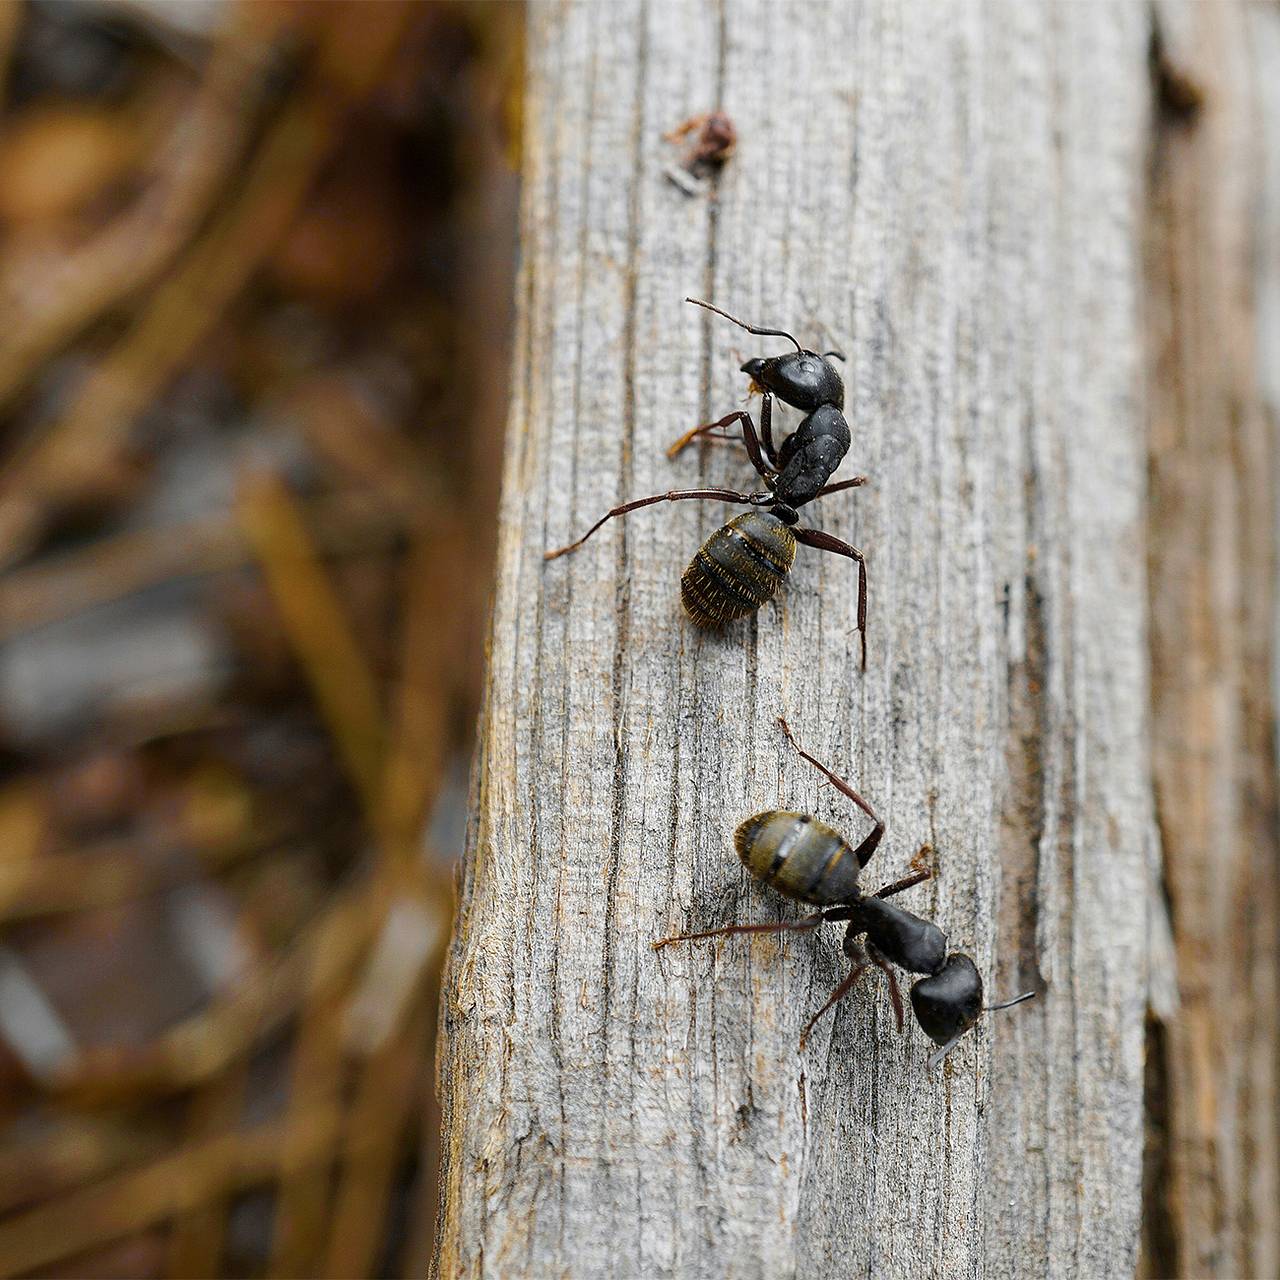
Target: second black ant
(809, 861)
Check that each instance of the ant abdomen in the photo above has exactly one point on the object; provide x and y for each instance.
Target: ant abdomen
(798, 856)
(738, 568)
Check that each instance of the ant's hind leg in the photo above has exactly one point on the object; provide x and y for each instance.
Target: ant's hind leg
(675, 495)
(826, 542)
(864, 851)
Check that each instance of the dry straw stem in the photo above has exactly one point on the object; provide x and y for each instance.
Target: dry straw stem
(396, 786)
(199, 1047)
(317, 1078)
(102, 875)
(68, 454)
(195, 1243)
(338, 673)
(10, 19)
(54, 587)
(374, 1143)
(127, 255)
(74, 1151)
(173, 1185)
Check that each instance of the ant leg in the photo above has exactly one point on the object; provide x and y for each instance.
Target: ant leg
(749, 437)
(895, 995)
(907, 882)
(919, 874)
(722, 495)
(868, 846)
(766, 427)
(856, 483)
(803, 924)
(836, 996)
(937, 1057)
(722, 438)
(694, 432)
(826, 542)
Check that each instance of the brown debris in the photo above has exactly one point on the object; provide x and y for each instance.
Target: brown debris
(245, 570)
(715, 138)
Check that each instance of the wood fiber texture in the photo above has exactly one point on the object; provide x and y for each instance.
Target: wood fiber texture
(951, 195)
(1213, 395)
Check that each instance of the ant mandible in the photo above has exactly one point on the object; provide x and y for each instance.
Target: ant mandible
(808, 861)
(743, 563)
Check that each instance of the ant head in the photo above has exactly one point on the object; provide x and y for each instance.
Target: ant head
(802, 379)
(948, 1002)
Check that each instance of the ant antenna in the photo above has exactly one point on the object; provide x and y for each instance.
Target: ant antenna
(839, 355)
(1008, 1004)
(750, 328)
(935, 1058)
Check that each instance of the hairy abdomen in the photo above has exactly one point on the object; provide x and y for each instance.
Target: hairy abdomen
(799, 856)
(737, 569)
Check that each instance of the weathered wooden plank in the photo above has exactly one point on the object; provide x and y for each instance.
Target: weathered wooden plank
(950, 195)
(1213, 275)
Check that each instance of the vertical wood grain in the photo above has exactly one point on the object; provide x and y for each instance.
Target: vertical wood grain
(1213, 284)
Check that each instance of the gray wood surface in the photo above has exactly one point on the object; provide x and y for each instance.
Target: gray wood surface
(951, 194)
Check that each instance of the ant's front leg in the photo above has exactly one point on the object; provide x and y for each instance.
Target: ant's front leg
(856, 483)
(749, 437)
(674, 449)
(766, 424)
(920, 872)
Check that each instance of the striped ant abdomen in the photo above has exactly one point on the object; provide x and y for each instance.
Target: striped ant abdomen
(738, 568)
(798, 856)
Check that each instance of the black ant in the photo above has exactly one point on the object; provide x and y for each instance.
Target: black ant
(744, 563)
(810, 862)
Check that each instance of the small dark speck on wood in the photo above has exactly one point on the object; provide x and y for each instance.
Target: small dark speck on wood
(714, 141)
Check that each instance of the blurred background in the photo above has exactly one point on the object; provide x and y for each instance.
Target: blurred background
(256, 269)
